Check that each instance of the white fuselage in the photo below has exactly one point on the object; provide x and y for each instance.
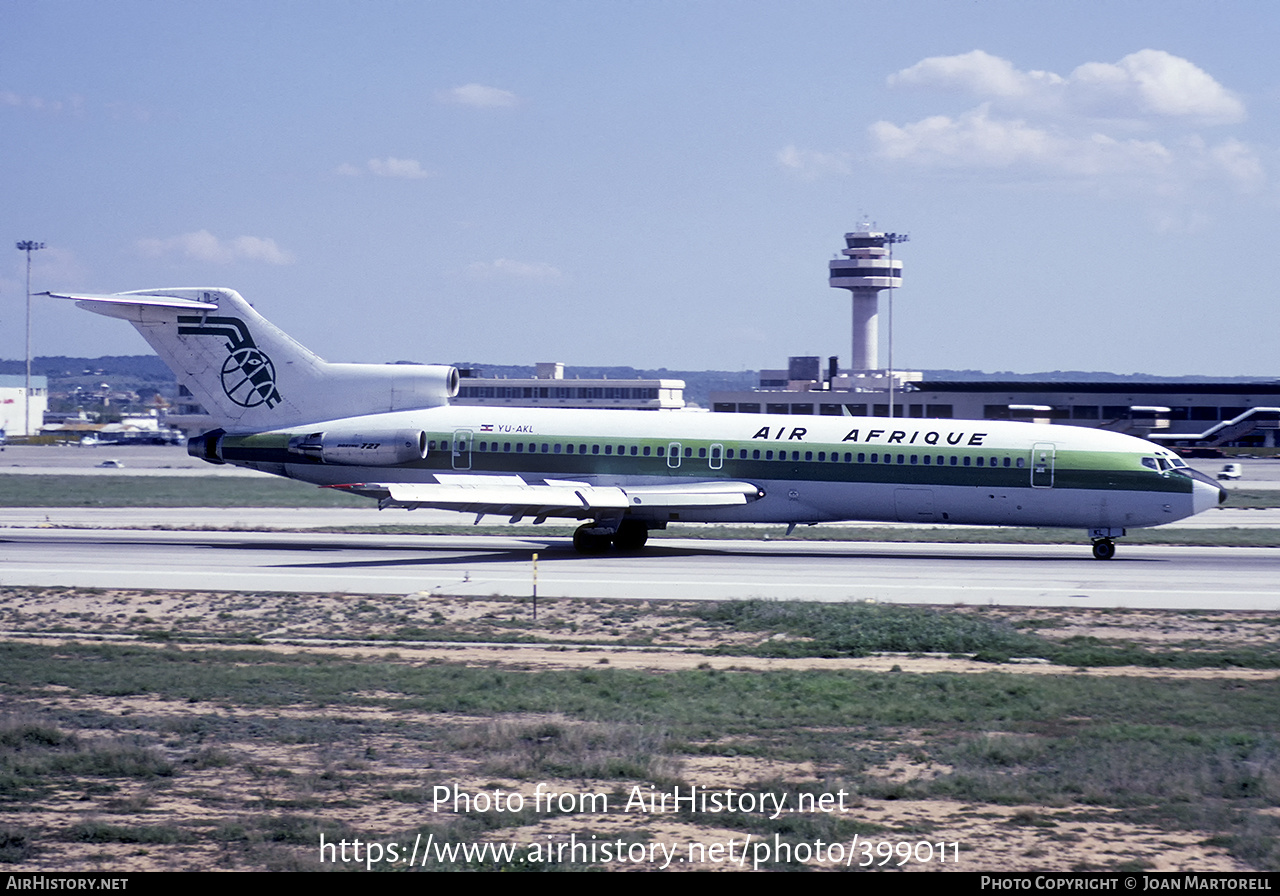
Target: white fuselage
(810, 469)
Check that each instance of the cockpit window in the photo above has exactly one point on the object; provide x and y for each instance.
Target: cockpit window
(1150, 462)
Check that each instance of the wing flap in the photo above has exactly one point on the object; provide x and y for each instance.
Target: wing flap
(577, 500)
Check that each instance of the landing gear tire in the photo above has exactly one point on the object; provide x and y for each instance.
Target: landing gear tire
(1104, 549)
(631, 535)
(587, 542)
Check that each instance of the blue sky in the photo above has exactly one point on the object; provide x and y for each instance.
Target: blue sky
(1086, 185)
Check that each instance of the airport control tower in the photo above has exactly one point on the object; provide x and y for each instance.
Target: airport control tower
(867, 268)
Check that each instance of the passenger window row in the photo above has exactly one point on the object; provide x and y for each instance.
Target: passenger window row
(767, 454)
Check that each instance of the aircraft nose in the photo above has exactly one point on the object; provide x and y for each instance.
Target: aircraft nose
(1205, 493)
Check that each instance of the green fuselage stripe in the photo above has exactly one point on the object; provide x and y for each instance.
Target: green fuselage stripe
(1071, 469)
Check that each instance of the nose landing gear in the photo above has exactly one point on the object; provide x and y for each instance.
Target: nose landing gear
(1104, 546)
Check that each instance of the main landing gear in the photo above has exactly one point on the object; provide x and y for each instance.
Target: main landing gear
(595, 538)
(1104, 546)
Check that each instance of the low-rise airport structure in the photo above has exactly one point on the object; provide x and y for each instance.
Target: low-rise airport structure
(548, 388)
(14, 409)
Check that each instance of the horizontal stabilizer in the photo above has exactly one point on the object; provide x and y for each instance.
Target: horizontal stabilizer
(149, 300)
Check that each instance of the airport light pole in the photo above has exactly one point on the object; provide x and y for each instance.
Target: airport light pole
(28, 246)
(892, 238)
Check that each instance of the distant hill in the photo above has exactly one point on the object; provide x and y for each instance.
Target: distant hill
(148, 373)
(143, 367)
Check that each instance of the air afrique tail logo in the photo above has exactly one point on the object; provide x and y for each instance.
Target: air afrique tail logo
(248, 376)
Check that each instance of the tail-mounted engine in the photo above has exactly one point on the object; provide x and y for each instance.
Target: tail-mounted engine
(366, 449)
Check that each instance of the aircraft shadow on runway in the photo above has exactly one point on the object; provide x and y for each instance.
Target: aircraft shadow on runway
(561, 551)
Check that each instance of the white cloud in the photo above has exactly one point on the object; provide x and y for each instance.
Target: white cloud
(410, 169)
(1078, 126)
(1153, 82)
(478, 95)
(977, 72)
(976, 140)
(1142, 85)
(810, 164)
(74, 104)
(1182, 222)
(1238, 162)
(204, 246)
(515, 270)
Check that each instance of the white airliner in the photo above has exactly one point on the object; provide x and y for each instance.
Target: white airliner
(387, 431)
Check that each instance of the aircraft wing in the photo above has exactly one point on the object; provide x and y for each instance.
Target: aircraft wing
(511, 496)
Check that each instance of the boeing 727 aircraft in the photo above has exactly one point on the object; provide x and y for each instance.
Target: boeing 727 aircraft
(388, 432)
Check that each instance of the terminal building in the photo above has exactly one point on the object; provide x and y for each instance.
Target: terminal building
(549, 389)
(1184, 414)
(1207, 414)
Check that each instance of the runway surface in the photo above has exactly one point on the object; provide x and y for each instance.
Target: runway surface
(112, 556)
(1020, 575)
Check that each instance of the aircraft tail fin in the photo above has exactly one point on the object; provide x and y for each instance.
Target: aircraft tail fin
(250, 375)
